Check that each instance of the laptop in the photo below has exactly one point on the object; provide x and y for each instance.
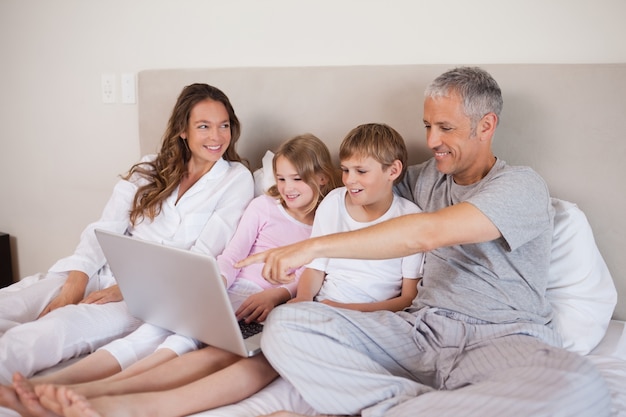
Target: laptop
(179, 290)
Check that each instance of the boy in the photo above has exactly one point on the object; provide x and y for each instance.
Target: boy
(373, 158)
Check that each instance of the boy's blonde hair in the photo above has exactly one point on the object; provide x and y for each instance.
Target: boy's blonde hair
(378, 141)
(310, 157)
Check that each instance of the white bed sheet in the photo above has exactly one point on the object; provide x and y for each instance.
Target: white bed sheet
(609, 357)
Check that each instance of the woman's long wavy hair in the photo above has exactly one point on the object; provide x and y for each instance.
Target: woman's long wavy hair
(170, 166)
(310, 157)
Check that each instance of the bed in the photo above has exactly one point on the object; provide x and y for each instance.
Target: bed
(559, 119)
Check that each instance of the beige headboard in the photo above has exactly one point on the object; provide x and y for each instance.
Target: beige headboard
(566, 121)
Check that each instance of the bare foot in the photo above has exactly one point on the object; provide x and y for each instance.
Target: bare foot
(9, 399)
(28, 398)
(74, 404)
(47, 394)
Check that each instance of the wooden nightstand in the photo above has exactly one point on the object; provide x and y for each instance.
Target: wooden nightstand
(6, 271)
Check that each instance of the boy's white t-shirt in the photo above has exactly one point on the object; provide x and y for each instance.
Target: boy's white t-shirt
(361, 280)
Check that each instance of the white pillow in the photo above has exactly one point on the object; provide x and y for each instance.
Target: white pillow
(580, 286)
(264, 176)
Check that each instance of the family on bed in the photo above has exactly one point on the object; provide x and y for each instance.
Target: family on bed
(407, 291)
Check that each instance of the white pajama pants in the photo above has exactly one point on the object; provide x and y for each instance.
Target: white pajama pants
(28, 344)
(433, 363)
(146, 340)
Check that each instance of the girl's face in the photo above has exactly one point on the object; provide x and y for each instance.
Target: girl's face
(295, 192)
(208, 132)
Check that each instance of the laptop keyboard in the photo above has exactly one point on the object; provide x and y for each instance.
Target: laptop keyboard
(250, 329)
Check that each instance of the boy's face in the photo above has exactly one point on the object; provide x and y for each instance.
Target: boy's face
(366, 181)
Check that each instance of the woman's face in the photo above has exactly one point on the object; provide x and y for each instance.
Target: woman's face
(208, 132)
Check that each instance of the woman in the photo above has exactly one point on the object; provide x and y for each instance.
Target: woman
(190, 195)
(209, 377)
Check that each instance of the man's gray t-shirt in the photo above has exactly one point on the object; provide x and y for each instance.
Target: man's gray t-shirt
(501, 281)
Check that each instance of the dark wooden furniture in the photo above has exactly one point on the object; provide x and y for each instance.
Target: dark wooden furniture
(6, 271)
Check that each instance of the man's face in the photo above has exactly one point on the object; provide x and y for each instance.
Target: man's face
(449, 134)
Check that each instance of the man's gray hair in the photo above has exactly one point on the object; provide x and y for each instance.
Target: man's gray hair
(477, 89)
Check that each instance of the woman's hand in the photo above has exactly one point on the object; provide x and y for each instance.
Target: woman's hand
(61, 300)
(107, 295)
(72, 292)
(257, 306)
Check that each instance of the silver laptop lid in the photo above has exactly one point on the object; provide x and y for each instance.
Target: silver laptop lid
(179, 290)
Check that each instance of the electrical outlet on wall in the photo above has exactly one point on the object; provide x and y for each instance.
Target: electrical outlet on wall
(108, 88)
(128, 88)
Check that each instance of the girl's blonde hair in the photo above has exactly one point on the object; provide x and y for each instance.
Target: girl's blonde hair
(170, 165)
(310, 157)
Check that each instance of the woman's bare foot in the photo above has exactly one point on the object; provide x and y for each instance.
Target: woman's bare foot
(28, 399)
(9, 399)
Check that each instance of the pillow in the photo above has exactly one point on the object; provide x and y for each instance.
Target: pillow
(580, 287)
(264, 176)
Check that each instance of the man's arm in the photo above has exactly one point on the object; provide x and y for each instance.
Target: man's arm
(461, 223)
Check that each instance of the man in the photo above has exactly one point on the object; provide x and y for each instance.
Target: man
(477, 339)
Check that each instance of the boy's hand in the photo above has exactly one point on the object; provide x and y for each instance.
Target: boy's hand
(257, 306)
(297, 299)
(334, 304)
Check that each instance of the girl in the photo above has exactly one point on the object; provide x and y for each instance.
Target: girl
(304, 174)
(190, 195)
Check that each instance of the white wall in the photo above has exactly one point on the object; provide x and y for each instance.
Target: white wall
(61, 148)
